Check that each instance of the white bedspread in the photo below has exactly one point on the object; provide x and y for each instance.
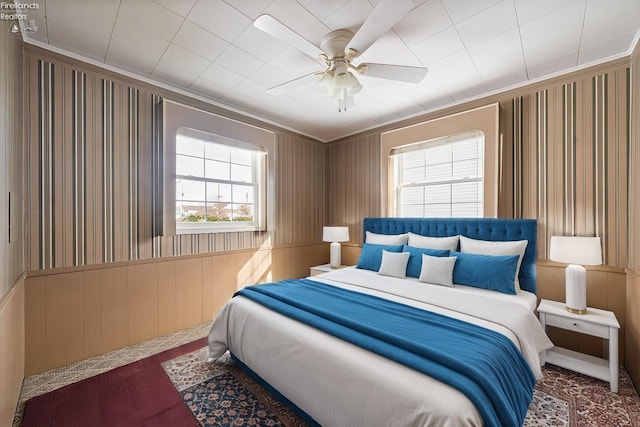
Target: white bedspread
(340, 384)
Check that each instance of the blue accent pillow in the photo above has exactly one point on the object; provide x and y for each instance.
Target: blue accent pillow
(371, 255)
(414, 266)
(493, 272)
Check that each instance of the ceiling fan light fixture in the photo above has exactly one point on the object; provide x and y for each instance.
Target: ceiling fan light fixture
(326, 82)
(354, 85)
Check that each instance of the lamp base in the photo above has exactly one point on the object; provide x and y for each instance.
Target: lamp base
(335, 255)
(575, 310)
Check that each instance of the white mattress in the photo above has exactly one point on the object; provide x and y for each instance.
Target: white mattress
(340, 384)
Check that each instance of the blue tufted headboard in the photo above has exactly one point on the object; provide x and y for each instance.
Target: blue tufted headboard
(496, 229)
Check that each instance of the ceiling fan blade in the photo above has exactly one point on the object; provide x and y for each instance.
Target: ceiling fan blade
(385, 15)
(403, 73)
(277, 29)
(282, 88)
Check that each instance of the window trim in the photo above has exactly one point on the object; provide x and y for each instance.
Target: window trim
(260, 197)
(394, 159)
(484, 119)
(176, 116)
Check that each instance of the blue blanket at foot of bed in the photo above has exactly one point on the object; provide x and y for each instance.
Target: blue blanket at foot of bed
(483, 364)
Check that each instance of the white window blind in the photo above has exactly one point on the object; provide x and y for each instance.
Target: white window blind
(440, 178)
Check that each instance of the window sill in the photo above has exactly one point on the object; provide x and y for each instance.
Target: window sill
(203, 229)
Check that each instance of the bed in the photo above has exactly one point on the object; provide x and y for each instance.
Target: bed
(365, 346)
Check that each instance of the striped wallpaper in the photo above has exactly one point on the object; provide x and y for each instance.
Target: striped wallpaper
(564, 154)
(634, 167)
(569, 149)
(94, 174)
(353, 183)
(92, 159)
(12, 264)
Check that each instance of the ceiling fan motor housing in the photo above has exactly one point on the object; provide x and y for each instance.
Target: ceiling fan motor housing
(334, 43)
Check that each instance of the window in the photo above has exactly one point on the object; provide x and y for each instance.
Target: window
(440, 178)
(220, 183)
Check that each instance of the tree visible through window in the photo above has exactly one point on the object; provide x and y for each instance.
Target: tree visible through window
(218, 185)
(440, 178)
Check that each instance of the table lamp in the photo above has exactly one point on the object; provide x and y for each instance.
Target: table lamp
(335, 235)
(576, 251)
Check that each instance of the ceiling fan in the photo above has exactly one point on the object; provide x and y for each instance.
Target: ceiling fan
(340, 47)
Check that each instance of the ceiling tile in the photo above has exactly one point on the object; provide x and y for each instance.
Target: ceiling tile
(610, 19)
(99, 13)
(209, 89)
(219, 18)
(259, 44)
(150, 17)
(88, 32)
(553, 35)
(496, 75)
(463, 85)
(295, 64)
(386, 46)
(252, 9)
(300, 20)
(80, 38)
(452, 64)
(268, 76)
(606, 48)
(239, 61)
(243, 94)
(423, 22)
(528, 10)
(459, 10)
(503, 45)
(351, 16)
(322, 9)
(487, 50)
(180, 66)
(435, 48)
(552, 66)
(218, 77)
(182, 7)
(430, 94)
(133, 49)
(487, 24)
(199, 41)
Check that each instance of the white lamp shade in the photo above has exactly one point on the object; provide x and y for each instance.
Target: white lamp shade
(576, 250)
(335, 234)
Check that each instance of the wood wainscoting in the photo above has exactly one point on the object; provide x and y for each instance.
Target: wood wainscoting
(75, 313)
(12, 337)
(632, 334)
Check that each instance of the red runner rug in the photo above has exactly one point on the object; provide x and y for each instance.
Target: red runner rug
(137, 394)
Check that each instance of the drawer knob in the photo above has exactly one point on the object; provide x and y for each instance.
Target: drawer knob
(575, 324)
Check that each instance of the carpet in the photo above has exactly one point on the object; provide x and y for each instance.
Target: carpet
(179, 388)
(137, 394)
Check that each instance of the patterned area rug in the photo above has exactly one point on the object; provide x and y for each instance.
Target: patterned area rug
(223, 394)
(566, 398)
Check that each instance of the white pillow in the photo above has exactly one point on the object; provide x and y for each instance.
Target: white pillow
(488, 247)
(394, 264)
(386, 239)
(426, 242)
(437, 270)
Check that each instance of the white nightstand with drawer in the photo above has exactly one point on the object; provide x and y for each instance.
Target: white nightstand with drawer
(324, 268)
(599, 323)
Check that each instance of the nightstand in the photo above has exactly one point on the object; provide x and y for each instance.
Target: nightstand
(599, 323)
(324, 268)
